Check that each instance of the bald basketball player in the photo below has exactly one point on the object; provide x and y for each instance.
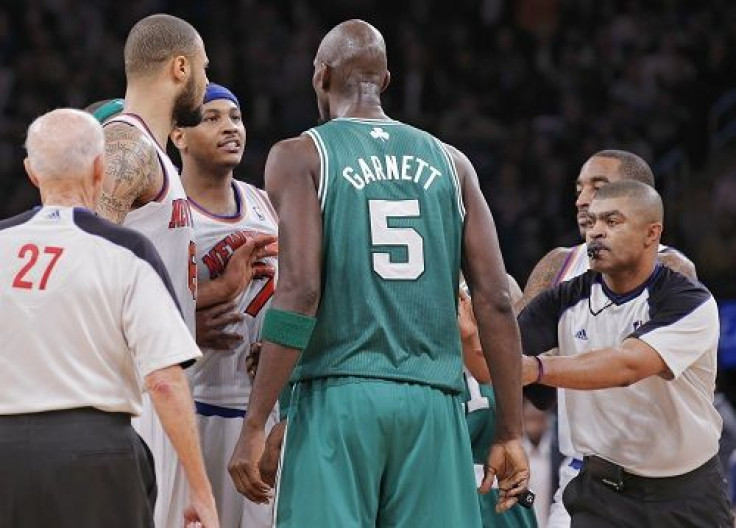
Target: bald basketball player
(375, 218)
(562, 264)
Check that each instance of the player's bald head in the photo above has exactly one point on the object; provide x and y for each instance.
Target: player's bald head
(356, 53)
(642, 198)
(64, 143)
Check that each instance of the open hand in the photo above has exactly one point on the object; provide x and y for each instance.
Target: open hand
(246, 263)
(244, 464)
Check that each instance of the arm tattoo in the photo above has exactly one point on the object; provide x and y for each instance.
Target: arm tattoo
(131, 169)
(542, 276)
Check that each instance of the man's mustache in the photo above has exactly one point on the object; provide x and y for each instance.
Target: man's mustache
(594, 248)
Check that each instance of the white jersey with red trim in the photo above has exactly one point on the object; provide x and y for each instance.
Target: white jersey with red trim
(220, 378)
(576, 263)
(167, 222)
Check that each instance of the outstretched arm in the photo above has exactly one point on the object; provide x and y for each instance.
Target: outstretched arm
(290, 182)
(604, 368)
(132, 171)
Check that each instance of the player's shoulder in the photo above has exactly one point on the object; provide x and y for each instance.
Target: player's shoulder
(122, 130)
(677, 261)
(301, 147)
(458, 156)
(556, 258)
(292, 158)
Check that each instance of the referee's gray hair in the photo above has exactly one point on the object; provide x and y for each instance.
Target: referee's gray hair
(64, 142)
(646, 197)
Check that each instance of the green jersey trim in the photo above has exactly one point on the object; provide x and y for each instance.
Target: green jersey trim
(324, 163)
(369, 121)
(455, 178)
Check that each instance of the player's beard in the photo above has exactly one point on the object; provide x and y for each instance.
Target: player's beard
(187, 108)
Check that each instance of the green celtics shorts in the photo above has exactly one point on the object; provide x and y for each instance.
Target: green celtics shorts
(362, 452)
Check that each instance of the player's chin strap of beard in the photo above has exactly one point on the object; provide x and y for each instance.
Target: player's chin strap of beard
(525, 498)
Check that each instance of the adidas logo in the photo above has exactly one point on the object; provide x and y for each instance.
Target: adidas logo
(379, 133)
(54, 215)
(581, 335)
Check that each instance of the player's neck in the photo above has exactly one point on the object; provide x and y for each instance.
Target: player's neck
(627, 280)
(212, 192)
(366, 106)
(154, 107)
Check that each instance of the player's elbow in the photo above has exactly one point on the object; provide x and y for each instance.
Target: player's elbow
(301, 296)
(162, 384)
(498, 302)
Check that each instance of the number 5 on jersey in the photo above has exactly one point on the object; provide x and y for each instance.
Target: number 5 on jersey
(32, 253)
(384, 235)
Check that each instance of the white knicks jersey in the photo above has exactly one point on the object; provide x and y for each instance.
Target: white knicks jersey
(167, 222)
(220, 378)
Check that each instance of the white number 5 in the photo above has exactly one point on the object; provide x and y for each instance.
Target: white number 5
(383, 235)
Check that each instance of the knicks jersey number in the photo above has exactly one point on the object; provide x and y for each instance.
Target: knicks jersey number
(384, 235)
(261, 298)
(31, 252)
(192, 269)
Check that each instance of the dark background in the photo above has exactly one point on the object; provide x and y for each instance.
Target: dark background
(527, 88)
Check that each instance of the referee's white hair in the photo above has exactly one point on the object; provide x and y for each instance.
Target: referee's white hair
(64, 143)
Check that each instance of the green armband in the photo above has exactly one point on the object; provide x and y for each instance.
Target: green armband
(287, 328)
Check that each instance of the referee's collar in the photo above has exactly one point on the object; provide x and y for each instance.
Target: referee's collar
(621, 298)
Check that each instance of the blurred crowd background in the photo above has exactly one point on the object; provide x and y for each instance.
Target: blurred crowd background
(527, 88)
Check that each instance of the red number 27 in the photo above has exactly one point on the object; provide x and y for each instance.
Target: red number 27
(32, 251)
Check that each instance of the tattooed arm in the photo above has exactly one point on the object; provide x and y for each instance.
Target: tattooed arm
(542, 276)
(133, 174)
(678, 262)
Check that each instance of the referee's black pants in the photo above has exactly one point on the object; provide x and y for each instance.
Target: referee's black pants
(697, 499)
(80, 468)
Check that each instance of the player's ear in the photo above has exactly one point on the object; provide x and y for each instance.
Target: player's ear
(324, 76)
(181, 68)
(386, 81)
(178, 138)
(29, 172)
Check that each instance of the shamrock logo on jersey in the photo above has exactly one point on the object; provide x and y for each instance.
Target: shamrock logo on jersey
(379, 133)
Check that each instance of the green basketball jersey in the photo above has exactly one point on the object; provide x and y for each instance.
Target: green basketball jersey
(480, 414)
(392, 217)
